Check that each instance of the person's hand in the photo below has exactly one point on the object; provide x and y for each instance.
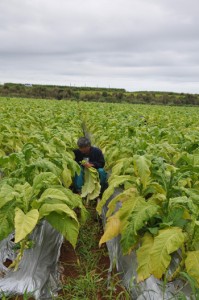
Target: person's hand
(88, 165)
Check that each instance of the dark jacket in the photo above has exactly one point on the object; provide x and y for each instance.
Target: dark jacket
(95, 157)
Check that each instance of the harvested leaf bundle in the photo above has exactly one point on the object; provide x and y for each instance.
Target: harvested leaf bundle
(91, 187)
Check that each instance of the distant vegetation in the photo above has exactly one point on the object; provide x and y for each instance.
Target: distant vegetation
(96, 94)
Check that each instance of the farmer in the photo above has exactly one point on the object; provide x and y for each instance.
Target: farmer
(93, 157)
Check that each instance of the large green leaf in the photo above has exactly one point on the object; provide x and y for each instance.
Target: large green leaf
(24, 193)
(136, 213)
(72, 165)
(183, 202)
(6, 194)
(128, 241)
(60, 195)
(46, 165)
(42, 180)
(53, 193)
(66, 225)
(165, 243)
(141, 214)
(47, 209)
(24, 223)
(73, 201)
(7, 220)
(193, 194)
(175, 217)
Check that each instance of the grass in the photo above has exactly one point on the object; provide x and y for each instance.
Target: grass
(26, 296)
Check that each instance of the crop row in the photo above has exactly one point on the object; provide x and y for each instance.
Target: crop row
(151, 153)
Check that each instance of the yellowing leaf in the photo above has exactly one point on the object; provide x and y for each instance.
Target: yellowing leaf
(116, 180)
(91, 187)
(52, 193)
(24, 223)
(192, 264)
(106, 195)
(66, 177)
(127, 195)
(143, 257)
(142, 165)
(167, 241)
(112, 229)
(186, 215)
(116, 170)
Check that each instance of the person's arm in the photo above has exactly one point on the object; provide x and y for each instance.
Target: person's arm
(78, 156)
(98, 160)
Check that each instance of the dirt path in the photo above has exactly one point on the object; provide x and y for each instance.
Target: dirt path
(84, 271)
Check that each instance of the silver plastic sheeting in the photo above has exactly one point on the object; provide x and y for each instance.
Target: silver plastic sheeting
(6, 252)
(38, 271)
(126, 265)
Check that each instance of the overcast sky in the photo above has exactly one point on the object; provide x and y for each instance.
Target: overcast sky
(131, 44)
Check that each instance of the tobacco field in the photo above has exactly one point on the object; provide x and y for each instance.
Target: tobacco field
(151, 153)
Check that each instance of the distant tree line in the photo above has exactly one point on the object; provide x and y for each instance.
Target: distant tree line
(108, 95)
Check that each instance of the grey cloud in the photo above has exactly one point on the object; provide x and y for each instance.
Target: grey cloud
(145, 41)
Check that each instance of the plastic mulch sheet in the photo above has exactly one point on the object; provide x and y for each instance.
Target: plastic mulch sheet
(126, 265)
(37, 273)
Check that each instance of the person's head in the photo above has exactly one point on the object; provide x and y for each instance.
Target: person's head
(84, 145)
